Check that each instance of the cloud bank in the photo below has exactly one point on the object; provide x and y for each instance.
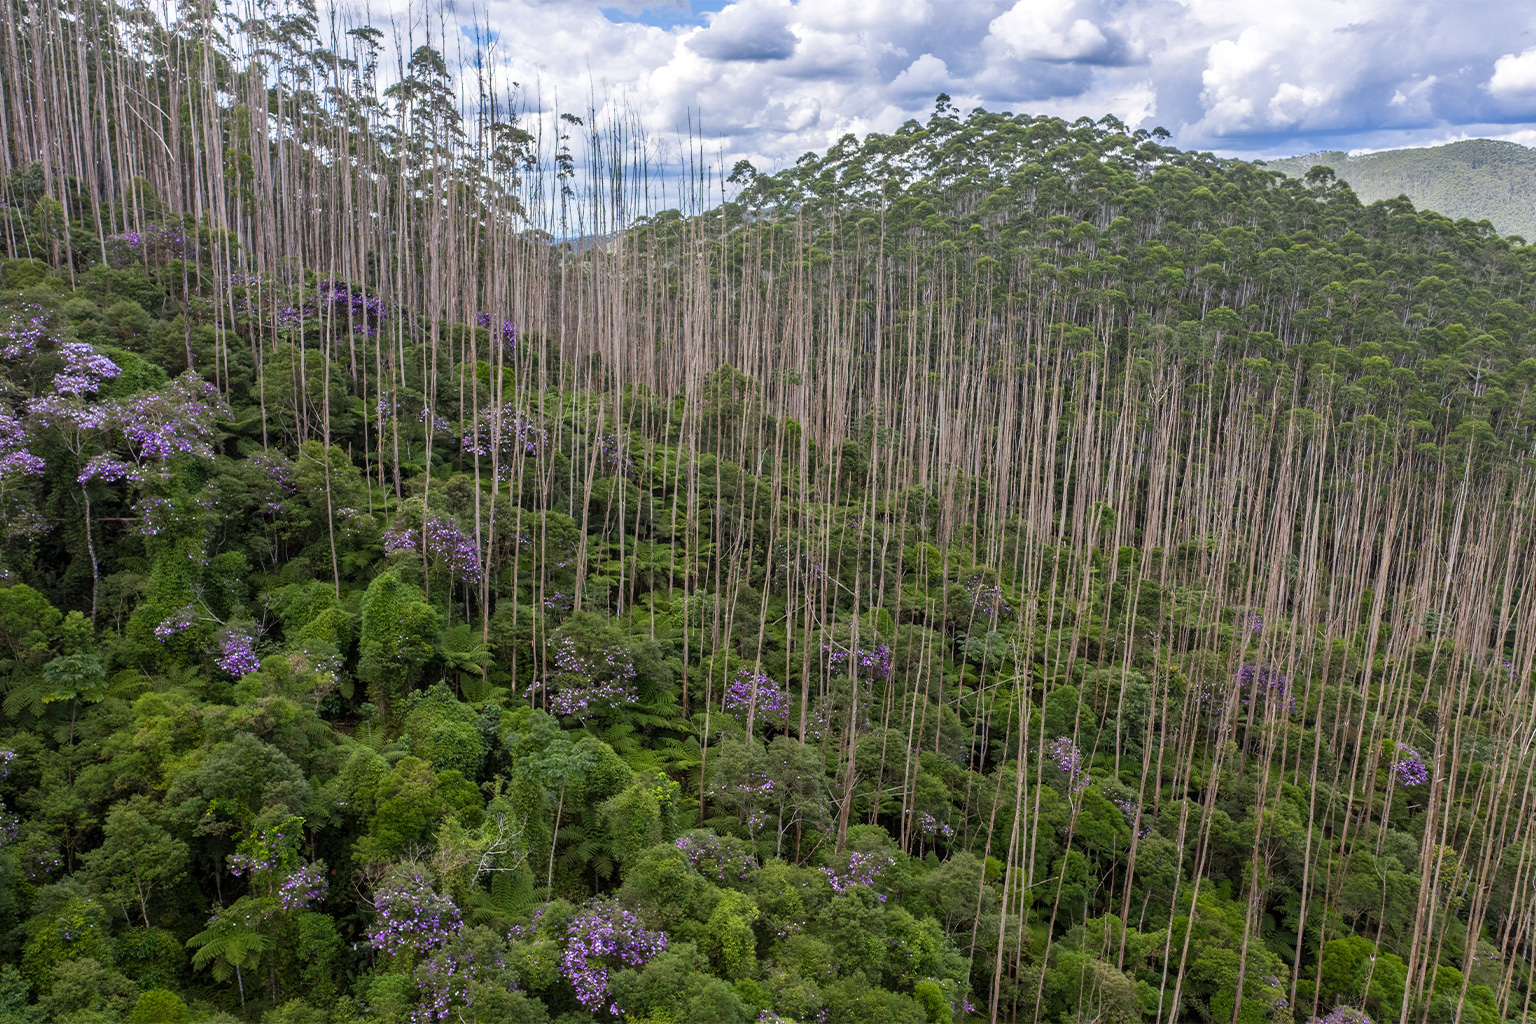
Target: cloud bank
(767, 80)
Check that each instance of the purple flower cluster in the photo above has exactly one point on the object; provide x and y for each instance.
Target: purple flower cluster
(447, 545)
(304, 887)
(335, 302)
(1342, 1015)
(931, 828)
(1131, 811)
(84, 369)
(863, 869)
(399, 537)
(173, 625)
(873, 662)
(602, 937)
(1256, 684)
(237, 654)
(278, 471)
(411, 916)
(1069, 760)
(509, 433)
(16, 465)
(341, 301)
(111, 469)
(1480, 956)
(1410, 768)
(443, 981)
(40, 859)
(252, 860)
(69, 414)
(756, 693)
(717, 859)
(582, 700)
(454, 549)
(530, 931)
(155, 516)
(508, 329)
(155, 243)
(180, 419)
(21, 330)
(597, 678)
(614, 453)
(269, 851)
(986, 597)
(434, 421)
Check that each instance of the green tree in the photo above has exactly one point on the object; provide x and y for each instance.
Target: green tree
(399, 636)
(84, 985)
(137, 856)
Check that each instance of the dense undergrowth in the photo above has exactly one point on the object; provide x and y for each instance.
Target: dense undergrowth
(1004, 569)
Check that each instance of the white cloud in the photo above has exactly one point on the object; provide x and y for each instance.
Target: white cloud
(768, 80)
(1046, 30)
(1230, 65)
(1514, 74)
(747, 31)
(927, 76)
(1293, 102)
(1414, 94)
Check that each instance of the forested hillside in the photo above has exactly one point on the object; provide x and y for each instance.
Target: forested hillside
(1005, 570)
(1480, 179)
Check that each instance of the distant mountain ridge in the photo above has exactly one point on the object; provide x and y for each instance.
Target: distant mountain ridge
(1482, 179)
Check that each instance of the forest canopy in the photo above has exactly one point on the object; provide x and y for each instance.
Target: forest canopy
(1005, 569)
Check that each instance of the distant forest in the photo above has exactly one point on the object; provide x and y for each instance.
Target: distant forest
(1480, 179)
(1005, 570)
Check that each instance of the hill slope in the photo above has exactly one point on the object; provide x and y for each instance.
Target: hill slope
(1481, 179)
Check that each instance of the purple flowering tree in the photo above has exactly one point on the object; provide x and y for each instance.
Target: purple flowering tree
(1255, 686)
(81, 425)
(602, 938)
(22, 328)
(445, 547)
(447, 551)
(506, 329)
(594, 671)
(411, 919)
(755, 695)
(505, 435)
(986, 596)
(237, 652)
(279, 883)
(929, 830)
(856, 868)
(871, 662)
(613, 453)
(1133, 818)
(19, 471)
(122, 441)
(1342, 1015)
(1069, 761)
(722, 859)
(420, 931)
(156, 244)
(1409, 767)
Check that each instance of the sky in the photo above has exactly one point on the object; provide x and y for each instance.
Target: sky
(768, 80)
